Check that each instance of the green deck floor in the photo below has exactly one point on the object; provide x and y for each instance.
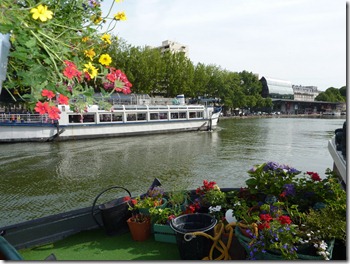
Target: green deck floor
(96, 245)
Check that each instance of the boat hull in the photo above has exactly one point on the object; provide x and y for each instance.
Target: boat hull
(339, 163)
(61, 131)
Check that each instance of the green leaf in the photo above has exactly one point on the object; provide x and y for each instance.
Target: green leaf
(31, 43)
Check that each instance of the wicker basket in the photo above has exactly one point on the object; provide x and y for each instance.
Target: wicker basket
(270, 256)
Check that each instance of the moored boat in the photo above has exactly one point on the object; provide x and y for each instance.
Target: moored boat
(337, 149)
(121, 120)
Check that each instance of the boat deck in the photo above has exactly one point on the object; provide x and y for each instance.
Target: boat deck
(96, 245)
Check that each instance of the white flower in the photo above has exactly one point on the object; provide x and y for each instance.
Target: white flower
(215, 209)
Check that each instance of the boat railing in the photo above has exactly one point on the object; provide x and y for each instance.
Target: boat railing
(24, 118)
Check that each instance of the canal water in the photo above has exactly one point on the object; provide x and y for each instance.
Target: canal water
(39, 179)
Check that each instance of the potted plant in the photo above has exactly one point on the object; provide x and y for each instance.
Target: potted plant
(161, 218)
(288, 226)
(140, 226)
(178, 199)
(209, 194)
(153, 198)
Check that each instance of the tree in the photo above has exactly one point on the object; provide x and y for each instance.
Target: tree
(331, 95)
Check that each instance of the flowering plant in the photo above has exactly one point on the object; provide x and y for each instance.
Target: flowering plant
(59, 54)
(153, 198)
(209, 199)
(163, 216)
(270, 178)
(297, 215)
(139, 218)
(209, 194)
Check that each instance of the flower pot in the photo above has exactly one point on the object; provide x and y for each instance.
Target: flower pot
(139, 231)
(269, 255)
(164, 233)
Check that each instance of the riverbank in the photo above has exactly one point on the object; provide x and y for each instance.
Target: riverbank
(283, 116)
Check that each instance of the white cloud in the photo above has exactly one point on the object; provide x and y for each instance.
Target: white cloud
(302, 41)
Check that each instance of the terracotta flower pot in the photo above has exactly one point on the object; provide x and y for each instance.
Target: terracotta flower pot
(139, 231)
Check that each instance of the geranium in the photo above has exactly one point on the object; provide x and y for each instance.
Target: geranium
(64, 100)
(58, 47)
(48, 94)
(42, 108)
(314, 176)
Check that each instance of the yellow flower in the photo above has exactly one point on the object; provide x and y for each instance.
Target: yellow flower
(91, 70)
(84, 39)
(106, 38)
(90, 53)
(41, 12)
(120, 16)
(97, 20)
(105, 59)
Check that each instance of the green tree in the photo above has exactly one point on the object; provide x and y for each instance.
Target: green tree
(331, 95)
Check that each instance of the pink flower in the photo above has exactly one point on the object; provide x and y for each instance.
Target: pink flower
(42, 108)
(47, 93)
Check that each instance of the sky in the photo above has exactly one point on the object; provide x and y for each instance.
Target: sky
(301, 41)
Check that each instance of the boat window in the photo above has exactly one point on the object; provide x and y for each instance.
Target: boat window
(199, 114)
(105, 117)
(74, 118)
(117, 116)
(131, 117)
(154, 116)
(182, 115)
(163, 115)
(118, 107)
(174, 115)
(130, 107)
(193, 115)
(88, 118)
(141, 116)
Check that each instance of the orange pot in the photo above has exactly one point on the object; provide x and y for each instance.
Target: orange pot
(139, 231)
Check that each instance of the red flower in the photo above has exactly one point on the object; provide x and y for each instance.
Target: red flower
(263, 226)
(71, 70)
(265, 217)
(47, 93)
(283, 194)
(126, 198)
(284, 219)
(42, 108)
(205, 187)
(54, 112)
(190, 209)
(314, 176)
(170, 217)
(63, 99)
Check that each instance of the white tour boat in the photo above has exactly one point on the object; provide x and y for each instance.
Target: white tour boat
(122, 120)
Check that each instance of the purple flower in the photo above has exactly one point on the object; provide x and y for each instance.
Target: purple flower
(289, 189)
(271, 166)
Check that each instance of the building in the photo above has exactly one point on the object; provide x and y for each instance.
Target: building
(172, 46)
(295, 99)
(275, 88)
(305, 93)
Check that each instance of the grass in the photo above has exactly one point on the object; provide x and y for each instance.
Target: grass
(96, 245)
